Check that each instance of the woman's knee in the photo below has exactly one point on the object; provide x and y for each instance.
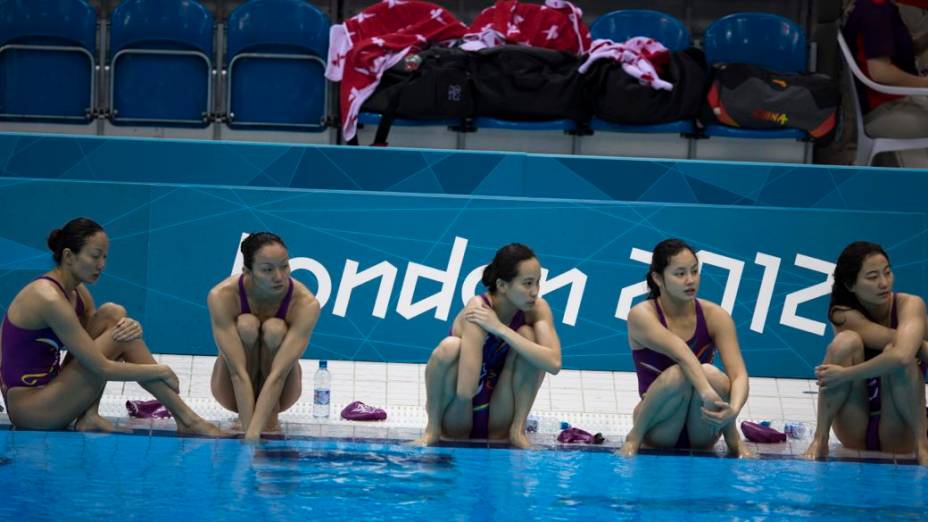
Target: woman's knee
(674, 376)
(447, 351)
(718, 380)
(108, 314)
(674, 381)
(248, 327)
(273, 332)
(527, 331)
(846, 347)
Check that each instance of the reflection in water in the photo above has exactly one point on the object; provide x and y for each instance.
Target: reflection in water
(400, 476)
(728, 508)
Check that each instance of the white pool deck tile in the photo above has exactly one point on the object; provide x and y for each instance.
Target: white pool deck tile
(597, 401)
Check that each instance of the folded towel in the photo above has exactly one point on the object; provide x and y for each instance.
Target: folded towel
(359, 411)
(759, 433)
(147, 409)
(578, 436)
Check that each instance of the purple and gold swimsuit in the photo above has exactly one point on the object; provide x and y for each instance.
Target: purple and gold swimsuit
(494, 357)
(31, 357)
(649, 364)
(873, 388)
(281, 310)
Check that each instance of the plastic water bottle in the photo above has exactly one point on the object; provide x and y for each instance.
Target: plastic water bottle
(322, 386)
(531, 424)
(794, 430)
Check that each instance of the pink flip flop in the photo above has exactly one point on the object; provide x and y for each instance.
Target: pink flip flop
(760, 433)
(359, 411)
(147, 409)
(578, 436)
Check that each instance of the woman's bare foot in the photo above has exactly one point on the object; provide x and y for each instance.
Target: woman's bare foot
(200, 427)
(740, 452)
(630, 447)
(428, 438)
(272, 425)
(818, 450)
(94, 422)
(921, 455)
(518, 439)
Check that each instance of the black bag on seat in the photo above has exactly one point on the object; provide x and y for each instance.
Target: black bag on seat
(750, 97)
(521, 83)
(431, 85)
(619, 97)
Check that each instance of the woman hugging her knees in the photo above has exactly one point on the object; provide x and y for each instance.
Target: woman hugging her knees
(56, 311)
(262, 321)
(686, 402)
(483, 377)
(871, 384)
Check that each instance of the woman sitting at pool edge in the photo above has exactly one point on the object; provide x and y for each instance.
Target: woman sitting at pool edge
(55, 311)
(686, 402)
(871, 384)
(482, 379)
(262, 321)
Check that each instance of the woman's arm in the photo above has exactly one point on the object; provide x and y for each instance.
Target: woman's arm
(905, 343)
(305, 315)
(544, 353)
(725, 337)
(60, 317)
(646, 330)
(222, 315)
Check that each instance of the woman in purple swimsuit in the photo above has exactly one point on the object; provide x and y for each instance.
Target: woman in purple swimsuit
(871, 383)
(262, 321)
(483, 377)
(56, 311)
(686, 402)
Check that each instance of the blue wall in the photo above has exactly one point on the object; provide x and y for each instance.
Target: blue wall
(767, 235)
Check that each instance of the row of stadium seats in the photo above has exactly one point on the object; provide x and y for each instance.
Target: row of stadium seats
(162, 66)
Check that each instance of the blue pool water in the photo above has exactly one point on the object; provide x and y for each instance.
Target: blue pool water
(72, 476)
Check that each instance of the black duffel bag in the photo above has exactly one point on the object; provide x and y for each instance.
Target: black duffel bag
(516, 82)
(434, 84)
(750, 97)
(619, 97)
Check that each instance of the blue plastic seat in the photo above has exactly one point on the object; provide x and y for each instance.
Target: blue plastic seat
(619, 26)
(546, 125)
(622, 25)
(161, 60)
(766, 40)
(276, 52)
(763, 39)
(47, 60)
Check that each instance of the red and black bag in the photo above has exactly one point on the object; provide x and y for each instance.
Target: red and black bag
(750, 97)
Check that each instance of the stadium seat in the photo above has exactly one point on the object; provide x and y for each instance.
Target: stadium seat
(276, 53)
(161, 63)
(47, 60)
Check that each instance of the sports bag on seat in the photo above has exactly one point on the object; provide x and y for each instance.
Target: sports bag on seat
(750, 97)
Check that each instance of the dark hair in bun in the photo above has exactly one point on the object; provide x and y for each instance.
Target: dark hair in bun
(505, 264)
(73, 235)
(254, 242)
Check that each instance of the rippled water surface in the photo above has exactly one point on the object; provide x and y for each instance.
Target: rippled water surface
(71, 476)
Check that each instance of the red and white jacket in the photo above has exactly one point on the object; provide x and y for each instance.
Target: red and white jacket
(556, 25)
(378, 37)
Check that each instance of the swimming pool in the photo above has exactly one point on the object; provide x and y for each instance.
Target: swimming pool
(73, 476)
